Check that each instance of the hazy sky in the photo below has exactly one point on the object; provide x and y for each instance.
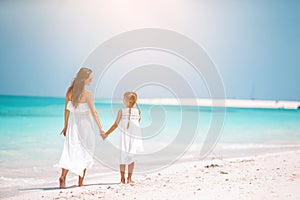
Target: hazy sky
(255, 44)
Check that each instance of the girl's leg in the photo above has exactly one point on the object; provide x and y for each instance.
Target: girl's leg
(62, 179)
(122, 171)
(80, 179)
(130, 170)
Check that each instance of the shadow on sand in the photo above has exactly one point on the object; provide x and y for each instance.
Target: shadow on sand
(70, 187)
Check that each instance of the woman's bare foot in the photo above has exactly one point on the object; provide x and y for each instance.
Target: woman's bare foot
(131, 182)
(80, 179)
(80, 182)
(62, 183)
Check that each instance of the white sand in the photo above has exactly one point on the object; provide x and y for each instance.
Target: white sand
(272, 176)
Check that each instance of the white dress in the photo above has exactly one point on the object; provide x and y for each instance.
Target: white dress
(130, 139)
(80, 140)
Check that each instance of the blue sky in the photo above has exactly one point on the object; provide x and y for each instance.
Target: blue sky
(255, 44)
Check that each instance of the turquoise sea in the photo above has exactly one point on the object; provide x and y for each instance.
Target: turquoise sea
(31, 143)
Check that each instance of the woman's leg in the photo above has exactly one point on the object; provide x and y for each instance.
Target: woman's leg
(122, 172)
(130, 170)
(80, 179)
(62, 179)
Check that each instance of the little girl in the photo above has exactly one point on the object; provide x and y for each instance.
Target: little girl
(127, 121)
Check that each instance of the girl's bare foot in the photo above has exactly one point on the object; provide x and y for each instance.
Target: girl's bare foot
(62, 183)
(123, 180)
(131, 182)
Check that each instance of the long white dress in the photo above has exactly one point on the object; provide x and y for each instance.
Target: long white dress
(131, 138)
(80, 140)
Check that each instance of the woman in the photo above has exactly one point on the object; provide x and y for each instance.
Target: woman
(79, 144)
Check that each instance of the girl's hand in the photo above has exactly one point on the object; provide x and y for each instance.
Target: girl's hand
(104, 136)
(64, 131)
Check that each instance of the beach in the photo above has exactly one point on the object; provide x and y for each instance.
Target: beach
(203, 96)
(269, 176)
(256, 155)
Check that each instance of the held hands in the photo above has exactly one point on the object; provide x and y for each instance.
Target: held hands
(103, 134)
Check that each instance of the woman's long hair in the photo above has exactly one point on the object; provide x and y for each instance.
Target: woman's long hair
(69, 91)
(75, 90)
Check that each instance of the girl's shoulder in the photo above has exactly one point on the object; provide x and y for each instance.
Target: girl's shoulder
(132, 111)
(126, 108)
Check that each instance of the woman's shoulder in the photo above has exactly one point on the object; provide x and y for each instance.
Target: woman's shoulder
(86, 93)
(69, 96)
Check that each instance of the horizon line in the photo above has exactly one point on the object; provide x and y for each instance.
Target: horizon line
(165, 98)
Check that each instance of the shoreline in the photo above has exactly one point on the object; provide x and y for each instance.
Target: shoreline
(229, 103)
(247, 177)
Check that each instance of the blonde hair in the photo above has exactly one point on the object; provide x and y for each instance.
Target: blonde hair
(78, 84)
(130, 98)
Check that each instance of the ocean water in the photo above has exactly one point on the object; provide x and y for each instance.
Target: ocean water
(31, 143)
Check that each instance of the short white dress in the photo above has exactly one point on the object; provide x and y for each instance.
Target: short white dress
(131, 138)
(79, 143)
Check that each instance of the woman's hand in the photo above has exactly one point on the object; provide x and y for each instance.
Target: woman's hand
(64, 131)
(102, 131)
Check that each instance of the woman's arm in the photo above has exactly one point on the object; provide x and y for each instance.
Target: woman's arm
(66, 114)
(94, 112)
(114, 126)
